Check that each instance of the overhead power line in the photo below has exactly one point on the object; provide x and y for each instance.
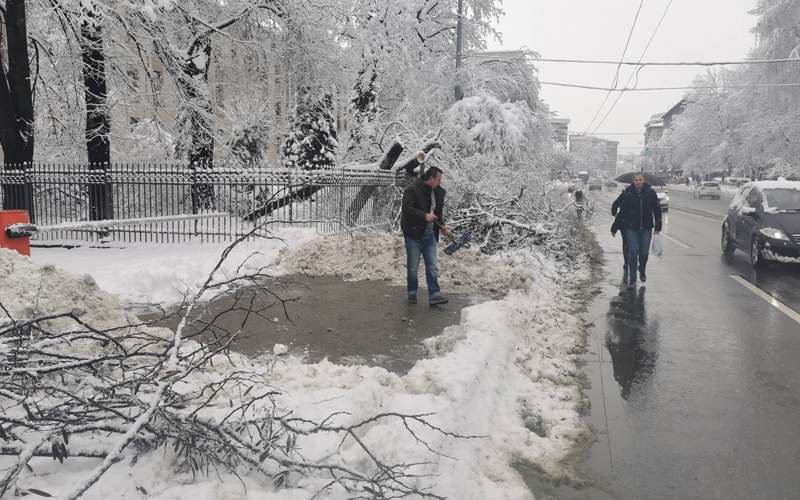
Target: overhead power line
(625, 89)
(680, 63)
(635, 72)
(651, 63)
(616, 76)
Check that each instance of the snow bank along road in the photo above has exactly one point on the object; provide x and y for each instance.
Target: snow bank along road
(695, 376)
(506, 374)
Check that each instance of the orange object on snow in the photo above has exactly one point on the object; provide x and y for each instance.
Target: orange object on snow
(21, 245)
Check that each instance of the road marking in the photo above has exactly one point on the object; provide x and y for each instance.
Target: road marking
(689, 214)
(677, 242)
(698, 212)
(769, 298)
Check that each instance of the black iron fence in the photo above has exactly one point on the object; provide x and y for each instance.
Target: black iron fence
(332, 200)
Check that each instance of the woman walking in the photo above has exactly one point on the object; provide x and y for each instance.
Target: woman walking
(640, 213)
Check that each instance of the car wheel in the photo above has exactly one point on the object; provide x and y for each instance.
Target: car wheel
(756, 258)
(727, 246)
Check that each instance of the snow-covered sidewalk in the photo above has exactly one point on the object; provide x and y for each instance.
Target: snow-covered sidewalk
(506, 374)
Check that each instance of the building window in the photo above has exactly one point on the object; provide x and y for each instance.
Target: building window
(133, 76)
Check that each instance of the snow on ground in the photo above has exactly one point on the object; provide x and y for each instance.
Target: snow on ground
(147, 273)
(369, 256)
(506, 373)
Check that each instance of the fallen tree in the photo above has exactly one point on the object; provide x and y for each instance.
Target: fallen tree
(70, 389)
(319, 180)
(498, 223)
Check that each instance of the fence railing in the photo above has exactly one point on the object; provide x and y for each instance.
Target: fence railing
(331, 200)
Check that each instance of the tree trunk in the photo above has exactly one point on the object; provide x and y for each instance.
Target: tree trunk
(201, 151)
(98, 124)
(387, 163)
(301, 194)
(16, 109)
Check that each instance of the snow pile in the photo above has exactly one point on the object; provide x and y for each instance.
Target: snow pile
(31, 290)
(369, 256)
(143, 274)
(725, 190)
(506, 375)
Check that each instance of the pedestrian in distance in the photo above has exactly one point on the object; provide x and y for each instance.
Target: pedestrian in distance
(420, 220)
(617, 226)
(640, 214)
(578, 193)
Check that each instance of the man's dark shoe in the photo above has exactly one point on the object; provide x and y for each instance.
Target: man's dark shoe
(632, 285)
(438, 300)
(412, 299)
(642, 276)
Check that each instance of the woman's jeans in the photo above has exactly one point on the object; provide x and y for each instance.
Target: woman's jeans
(638, 250)
(427, 248)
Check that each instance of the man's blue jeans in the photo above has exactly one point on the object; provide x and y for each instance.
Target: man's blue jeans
(638, 250)
(427, 248)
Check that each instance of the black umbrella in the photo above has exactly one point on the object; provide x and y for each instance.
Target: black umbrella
(648, 177)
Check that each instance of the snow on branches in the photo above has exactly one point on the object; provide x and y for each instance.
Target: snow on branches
(311, 137)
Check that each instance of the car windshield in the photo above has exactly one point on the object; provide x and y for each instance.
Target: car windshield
(783, 199)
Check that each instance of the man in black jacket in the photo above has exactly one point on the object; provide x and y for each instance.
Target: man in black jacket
(617, 225)
(423, 204)
(640, 213)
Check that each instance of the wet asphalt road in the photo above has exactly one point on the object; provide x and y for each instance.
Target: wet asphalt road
(695, 378)
(347, 322)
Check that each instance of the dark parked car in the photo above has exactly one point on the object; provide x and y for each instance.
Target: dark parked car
(595, 184)
(764, 221)
(611, 183)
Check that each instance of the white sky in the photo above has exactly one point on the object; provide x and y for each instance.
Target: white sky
(693, 30)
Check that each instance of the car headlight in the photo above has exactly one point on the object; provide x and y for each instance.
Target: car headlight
(666, 198)
(775, 234)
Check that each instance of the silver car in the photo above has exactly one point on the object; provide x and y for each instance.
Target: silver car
(707, 190)
(663, 198)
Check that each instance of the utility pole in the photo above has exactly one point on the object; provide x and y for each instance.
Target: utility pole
(459, 93)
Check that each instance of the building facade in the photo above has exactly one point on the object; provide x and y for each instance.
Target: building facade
(597, 156)
(653, 130)
(560, 130)
(673, 113)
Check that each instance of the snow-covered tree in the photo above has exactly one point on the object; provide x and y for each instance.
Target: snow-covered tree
(702, 137)
(401, 53)
(311, 138)
(749, 131)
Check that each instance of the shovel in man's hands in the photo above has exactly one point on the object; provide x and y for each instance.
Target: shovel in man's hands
(463, 241)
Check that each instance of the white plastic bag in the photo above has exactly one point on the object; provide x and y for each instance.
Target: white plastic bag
(658, 246)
